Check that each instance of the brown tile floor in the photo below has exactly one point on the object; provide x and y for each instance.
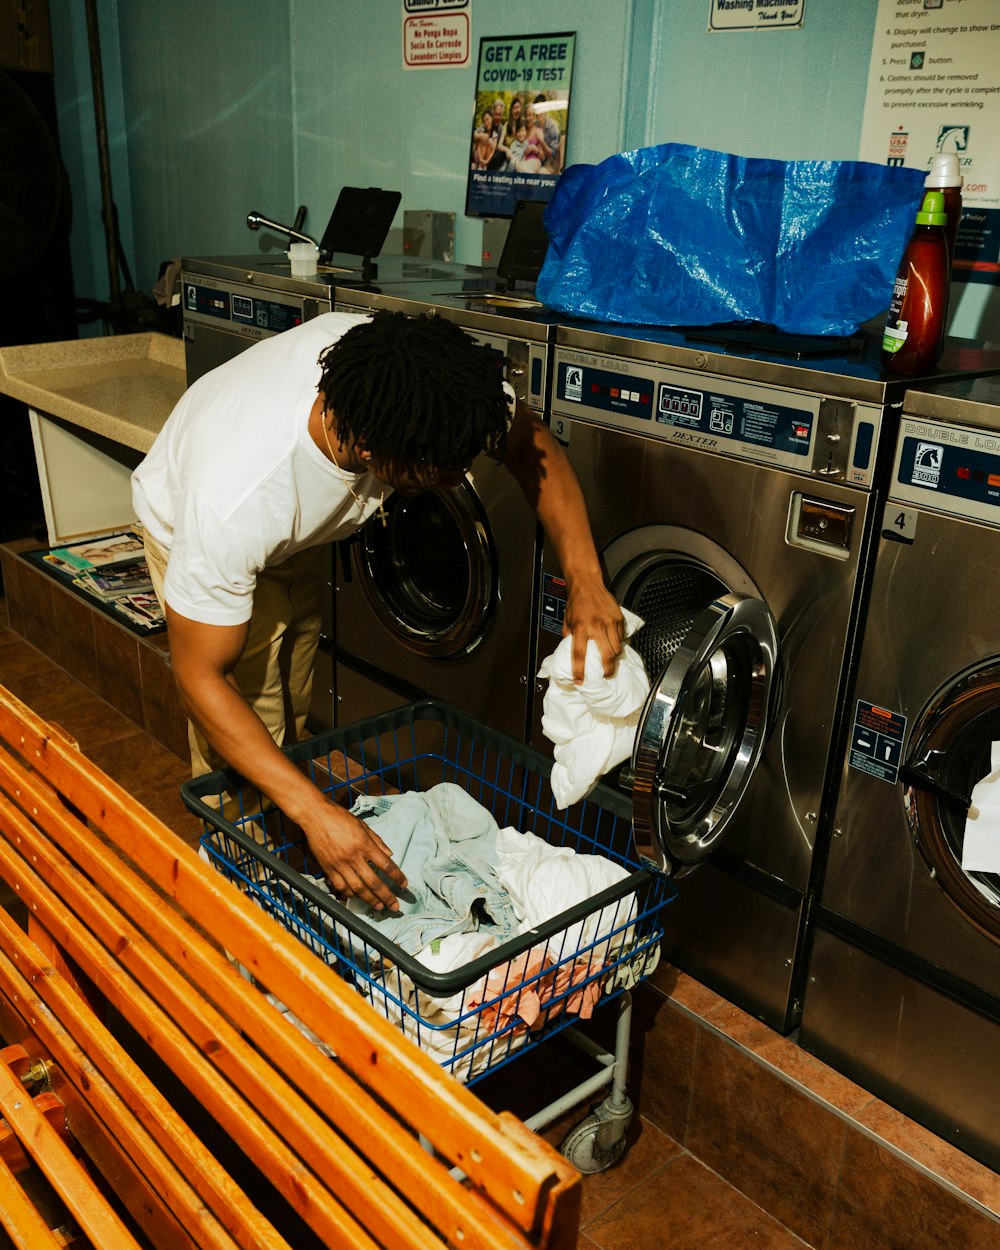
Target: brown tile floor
(115, 743)
(658, 1195)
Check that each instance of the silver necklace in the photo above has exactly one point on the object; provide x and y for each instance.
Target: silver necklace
(380, 511)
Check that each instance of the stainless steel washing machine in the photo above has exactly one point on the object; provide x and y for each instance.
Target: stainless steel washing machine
(439, 600)
(730, 496)
(903, 992)
(229, 302)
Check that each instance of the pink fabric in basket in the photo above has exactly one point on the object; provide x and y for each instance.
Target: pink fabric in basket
(528, 1002)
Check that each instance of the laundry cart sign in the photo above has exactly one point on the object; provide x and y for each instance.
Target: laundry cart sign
(754, 14)
(877, 741)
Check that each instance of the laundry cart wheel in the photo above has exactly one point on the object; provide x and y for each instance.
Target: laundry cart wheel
(599, 1141)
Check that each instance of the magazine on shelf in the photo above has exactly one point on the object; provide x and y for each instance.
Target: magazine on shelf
(115, 581)
(142, 609)
(96, 553)
(110, 570)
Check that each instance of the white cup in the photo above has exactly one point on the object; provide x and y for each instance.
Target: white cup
(304, 258)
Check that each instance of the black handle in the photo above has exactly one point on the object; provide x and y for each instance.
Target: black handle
(686, 795)
(917, 773)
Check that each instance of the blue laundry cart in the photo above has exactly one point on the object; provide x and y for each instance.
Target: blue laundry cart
(481, 1015)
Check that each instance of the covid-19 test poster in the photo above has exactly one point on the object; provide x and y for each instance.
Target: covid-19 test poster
(520, 121)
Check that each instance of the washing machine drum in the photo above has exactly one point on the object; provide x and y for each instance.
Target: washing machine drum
(951, 767)
(430, 572)
(711, 654)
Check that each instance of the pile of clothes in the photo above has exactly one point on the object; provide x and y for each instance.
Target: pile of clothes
(472, 886)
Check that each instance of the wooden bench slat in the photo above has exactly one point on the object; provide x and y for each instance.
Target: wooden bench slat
(20, 1219)
(130, 1187)
(63, 1170)
(226, 1199)
(126, 1125)
(366, 1193)
(525, 1184)
(12, 1152)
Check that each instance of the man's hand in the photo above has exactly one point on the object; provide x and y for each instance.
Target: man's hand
(591, 612)
(352, 857)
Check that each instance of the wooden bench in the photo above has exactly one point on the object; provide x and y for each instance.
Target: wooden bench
(120, 1013)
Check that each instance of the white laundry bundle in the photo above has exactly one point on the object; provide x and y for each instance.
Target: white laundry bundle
(592, 726)
(981, 845)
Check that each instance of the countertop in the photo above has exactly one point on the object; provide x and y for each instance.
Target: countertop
(122, 387)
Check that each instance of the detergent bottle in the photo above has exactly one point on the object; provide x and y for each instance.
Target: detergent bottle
(945, 176)
(915, 325)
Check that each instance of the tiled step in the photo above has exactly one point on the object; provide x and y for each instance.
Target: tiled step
(831, 1162)
(129, 672)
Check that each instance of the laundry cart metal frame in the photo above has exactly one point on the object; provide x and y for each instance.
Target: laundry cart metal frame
(609, 942)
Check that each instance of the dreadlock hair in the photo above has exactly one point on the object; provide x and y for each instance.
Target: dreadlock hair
(415, 391)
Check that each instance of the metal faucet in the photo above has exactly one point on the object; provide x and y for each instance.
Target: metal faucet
(255, 221)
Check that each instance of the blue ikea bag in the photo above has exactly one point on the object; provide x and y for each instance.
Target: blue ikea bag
(676, 235)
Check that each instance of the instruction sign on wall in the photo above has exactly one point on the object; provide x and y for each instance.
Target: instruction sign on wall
(934, 86)
(754, 14)
(436, 34)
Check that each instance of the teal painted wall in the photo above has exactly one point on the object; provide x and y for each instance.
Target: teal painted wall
(207, 90)
(793, 94)
(361, 119)
(217, 107)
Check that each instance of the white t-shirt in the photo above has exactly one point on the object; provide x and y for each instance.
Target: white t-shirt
(234, 482)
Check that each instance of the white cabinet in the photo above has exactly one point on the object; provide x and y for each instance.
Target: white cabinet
(85, 479)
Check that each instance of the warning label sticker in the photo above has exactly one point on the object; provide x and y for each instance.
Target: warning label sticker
(877, 741)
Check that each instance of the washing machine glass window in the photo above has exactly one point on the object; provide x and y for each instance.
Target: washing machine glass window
(952, 751)
(709, 645)
(430, 572)
(702, 731)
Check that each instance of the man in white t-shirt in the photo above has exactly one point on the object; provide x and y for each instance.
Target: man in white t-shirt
(287, 447)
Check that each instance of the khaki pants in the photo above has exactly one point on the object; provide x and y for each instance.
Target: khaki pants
(275, 671)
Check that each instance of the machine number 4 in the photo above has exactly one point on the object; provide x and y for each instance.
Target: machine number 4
(899, 524)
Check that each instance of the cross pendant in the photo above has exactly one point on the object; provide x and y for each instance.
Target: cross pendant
(381, 513)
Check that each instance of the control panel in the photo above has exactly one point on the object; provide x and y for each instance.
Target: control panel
(252, 312)
(523, 365)
(950, 468)
(821, 436)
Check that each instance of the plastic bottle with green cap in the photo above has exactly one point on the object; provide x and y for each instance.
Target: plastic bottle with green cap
(945, 175)
(915, 325)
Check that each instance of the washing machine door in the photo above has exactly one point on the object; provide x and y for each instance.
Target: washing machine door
(955, 746)
(710, 646)
(430, 571)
